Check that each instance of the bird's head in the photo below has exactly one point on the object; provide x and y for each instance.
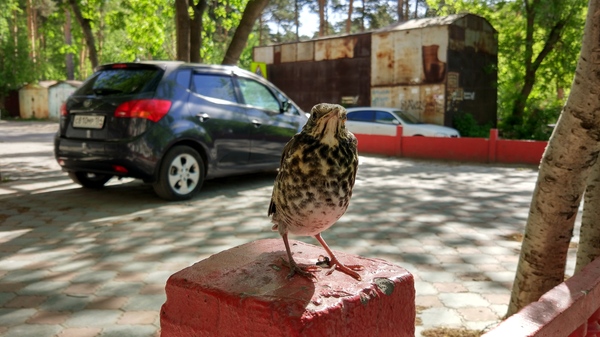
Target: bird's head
(327, 123)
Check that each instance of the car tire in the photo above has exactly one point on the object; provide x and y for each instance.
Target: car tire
(90, 180)
(181, 174)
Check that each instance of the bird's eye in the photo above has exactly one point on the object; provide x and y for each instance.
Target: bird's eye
(314, 117)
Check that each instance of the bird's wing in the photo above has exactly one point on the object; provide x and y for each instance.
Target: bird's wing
(354, 143)
(284, 155)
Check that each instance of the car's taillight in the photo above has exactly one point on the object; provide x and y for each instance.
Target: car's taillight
(151, 109)
(63, 109)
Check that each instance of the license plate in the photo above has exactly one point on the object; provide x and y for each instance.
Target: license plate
(88, 122)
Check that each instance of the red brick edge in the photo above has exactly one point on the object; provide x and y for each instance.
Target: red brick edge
(570, 309)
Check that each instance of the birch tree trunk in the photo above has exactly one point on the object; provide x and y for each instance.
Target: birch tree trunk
(589, 235)
(571, 153)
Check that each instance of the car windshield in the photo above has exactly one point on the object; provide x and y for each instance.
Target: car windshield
(121, 81)
(407, 118)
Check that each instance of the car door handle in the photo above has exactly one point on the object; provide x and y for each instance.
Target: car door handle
(203, 117)
(256, 122)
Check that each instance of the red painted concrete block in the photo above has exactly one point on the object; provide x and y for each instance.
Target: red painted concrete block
(244, 291)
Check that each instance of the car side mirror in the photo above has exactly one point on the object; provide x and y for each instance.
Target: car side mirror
(395, 121)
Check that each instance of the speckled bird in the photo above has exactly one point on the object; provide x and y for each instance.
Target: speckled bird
(314, 184)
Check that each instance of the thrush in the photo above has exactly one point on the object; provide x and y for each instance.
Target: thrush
(313, 187)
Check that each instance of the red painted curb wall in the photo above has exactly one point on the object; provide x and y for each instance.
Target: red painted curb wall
(244, 291)
(482, 150)
(570, 309)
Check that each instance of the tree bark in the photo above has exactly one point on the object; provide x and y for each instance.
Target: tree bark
(196, 31)
(87, 33)
(253, 10)
(182, 30)
(322, 22)
(31, 30)
(349, 20)
(401, 10)
(571, 153)
(70, 66)
(589, 234)
(296, 20)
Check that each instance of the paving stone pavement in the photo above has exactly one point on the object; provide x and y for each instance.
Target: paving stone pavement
(77, 262)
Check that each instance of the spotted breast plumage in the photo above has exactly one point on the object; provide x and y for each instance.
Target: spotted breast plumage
(315, 180)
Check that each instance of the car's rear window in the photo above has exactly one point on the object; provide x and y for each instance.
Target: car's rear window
(122, 82)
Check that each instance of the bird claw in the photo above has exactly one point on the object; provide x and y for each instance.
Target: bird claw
(349, 269)
(304, 270)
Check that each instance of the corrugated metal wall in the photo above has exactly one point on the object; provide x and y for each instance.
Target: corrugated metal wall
(472, 70)
(432, 68)
(57, 95)
(409, 71)
(33, 101)
(333, 70)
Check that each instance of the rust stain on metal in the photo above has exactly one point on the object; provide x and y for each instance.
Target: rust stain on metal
(432, 68)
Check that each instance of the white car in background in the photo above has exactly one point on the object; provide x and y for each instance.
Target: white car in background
(383, 121)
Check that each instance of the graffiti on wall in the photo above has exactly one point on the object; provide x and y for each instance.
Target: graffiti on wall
(381, 97)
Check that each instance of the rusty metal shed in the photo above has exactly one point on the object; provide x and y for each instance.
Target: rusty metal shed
(432, 68)
(33, 100)
(58, 94)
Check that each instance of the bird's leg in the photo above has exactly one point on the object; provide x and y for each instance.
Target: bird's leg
(294, 268)
(336, 264)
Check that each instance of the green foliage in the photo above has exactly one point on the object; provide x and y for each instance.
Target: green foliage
(540, 115)
(555, 73)
(138, 30)
(16, 68)
(466, 124)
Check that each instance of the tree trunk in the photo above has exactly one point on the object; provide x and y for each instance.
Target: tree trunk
(253, 10)
(182, 30)
(322, 22)
(70, 67)
(87, 33)
(401, 10)
(31, 30)
(196, 31)
(589, 235)
(349, 20)
(296, 20)
(572, 151)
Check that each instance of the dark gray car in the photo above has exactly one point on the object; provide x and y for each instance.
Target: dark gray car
(173, 124)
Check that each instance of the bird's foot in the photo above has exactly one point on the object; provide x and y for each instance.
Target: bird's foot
(305, 271)
(335, 264)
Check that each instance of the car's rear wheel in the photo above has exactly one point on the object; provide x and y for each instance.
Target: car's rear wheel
(181, 174)
(89, 179)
